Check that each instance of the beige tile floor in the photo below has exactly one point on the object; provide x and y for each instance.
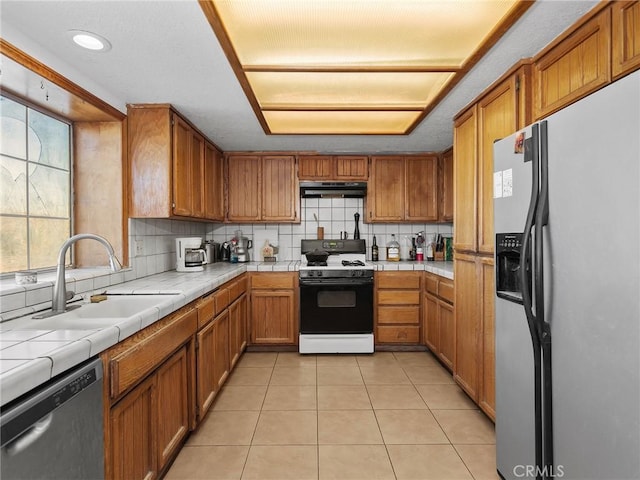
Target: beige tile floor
(343, 417)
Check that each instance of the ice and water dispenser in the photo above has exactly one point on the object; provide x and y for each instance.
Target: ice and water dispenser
(508, 254)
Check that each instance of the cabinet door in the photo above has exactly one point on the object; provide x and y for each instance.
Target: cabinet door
(421, 193)
(273, 319)
(172, 405)
(431, 326)
(235, 333)
(133, 454)
(245, 188)
(207, 384)
(497, 117)
(280, 195)
(221, 348)
(352, 168)
(197, 175)
(213, 183)
(243, 302)
(182, 168)
(315, 167)
(466, 368)
(447, 333)
(445, 213)
(488, 384)
(464, 178)
(575, 67)
(625, 22)
(385, 199)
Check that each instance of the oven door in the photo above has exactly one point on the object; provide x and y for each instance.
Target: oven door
(340, 306)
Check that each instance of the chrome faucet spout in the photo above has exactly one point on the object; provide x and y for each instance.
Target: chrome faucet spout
(59, 301)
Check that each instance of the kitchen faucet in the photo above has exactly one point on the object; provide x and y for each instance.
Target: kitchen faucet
(59, 300)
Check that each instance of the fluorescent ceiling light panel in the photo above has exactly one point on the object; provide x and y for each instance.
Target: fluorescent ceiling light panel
(346, 56)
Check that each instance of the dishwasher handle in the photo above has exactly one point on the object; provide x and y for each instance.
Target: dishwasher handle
(29, 437)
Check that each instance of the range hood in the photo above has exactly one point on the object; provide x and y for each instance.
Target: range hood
(333, 189)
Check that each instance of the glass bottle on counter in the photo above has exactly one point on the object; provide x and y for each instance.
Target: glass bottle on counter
(393, 250)
(374, 250)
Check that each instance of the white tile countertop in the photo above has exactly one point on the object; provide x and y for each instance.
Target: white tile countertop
(29, 355)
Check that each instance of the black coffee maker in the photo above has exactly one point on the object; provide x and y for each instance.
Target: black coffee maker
(225, 252)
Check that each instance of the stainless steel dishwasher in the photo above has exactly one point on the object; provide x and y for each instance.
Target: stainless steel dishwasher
(57, 431)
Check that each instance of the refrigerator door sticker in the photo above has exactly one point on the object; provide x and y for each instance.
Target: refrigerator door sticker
(497, 184)
(507, 183)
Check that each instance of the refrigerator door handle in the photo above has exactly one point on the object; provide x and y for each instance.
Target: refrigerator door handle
(532, 153)
(544, 329)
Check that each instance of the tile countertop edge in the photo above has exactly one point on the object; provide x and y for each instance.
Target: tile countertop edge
(444, 269)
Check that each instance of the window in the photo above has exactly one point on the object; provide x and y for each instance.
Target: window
(35, 188)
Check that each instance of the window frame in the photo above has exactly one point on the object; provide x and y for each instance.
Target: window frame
(32, 106)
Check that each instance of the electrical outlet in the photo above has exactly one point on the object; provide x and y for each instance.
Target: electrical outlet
(139, 248)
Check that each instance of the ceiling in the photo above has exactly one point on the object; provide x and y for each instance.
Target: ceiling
(166, 52)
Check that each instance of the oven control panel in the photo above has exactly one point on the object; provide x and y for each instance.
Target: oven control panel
(346, 273)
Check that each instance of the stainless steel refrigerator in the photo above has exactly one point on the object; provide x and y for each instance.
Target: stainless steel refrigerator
(567, 313)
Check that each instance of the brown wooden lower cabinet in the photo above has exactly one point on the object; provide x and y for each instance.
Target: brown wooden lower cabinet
(132, 430)
(274, 314)
(438, 319)
(474, 366)
(172, 386)
(237, 329)
(397, 307)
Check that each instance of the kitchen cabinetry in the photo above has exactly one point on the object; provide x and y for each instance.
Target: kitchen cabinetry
(573, 66)
(168, 170)
(403, 188)
(237, 319)
(438, 318)
(397, 297)
(468, 324)
(262, 188)
(445, 186)
(625, 28)
(274, 317)
(213, 183)
(487, 395)
(338, 168)
(149, 404)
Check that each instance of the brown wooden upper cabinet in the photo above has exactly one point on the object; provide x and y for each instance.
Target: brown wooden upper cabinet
(625, 26)
(339, 168)
(573, 66)
(171, 166)
(500, 112)
(262, 188)
(403, 188)
(445, 177)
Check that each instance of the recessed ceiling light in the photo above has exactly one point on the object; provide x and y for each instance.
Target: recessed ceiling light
(90, 41)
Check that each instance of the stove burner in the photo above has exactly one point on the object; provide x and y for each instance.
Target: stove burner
(316, 264)
(355, 263)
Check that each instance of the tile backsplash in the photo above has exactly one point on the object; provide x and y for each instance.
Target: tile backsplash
(335, 215)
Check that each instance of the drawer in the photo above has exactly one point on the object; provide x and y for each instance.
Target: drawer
(398, 334)
(431, 283)
(398, 297)
(398, 280)
(221, 297)
(445, 290)
(273, 280)
(206, 310)
(133, 364)
(402, 314)
(237, 288)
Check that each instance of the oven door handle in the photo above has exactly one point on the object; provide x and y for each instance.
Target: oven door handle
(336, 282)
